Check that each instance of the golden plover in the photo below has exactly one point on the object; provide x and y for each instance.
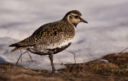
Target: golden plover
(53, 37)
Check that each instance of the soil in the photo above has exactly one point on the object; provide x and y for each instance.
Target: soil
(112, 67)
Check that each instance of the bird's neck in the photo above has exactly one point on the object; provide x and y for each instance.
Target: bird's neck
(68, 21)
(75, 24)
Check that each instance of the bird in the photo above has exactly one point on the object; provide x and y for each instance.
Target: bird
(52, 38)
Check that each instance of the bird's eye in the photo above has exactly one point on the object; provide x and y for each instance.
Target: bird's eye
(76, 17)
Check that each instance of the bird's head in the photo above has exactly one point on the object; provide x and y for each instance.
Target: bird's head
(74, 17)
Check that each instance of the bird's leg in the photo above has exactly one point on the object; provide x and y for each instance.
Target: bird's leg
(20, 56)
(52, 64)
(30, 56)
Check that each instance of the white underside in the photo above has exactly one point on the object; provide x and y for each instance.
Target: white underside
(59, 45)
(43, 49)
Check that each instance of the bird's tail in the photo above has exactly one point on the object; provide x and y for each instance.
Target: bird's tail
(17, 47)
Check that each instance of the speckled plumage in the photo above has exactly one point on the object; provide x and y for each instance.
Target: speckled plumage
(48, 36)
(53, 37)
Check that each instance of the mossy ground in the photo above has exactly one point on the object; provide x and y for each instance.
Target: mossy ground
(114, 69)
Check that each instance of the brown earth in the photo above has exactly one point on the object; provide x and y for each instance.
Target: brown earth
(114, 69)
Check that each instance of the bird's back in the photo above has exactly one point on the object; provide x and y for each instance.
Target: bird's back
(49, 36)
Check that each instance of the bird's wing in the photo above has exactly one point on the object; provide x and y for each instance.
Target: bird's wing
(47, 34)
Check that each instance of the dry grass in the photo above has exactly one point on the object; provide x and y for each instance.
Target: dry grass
(116, 69)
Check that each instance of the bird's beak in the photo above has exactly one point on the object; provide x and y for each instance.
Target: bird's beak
(82, 20)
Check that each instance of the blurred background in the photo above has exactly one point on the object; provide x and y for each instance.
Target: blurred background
(106, 32)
